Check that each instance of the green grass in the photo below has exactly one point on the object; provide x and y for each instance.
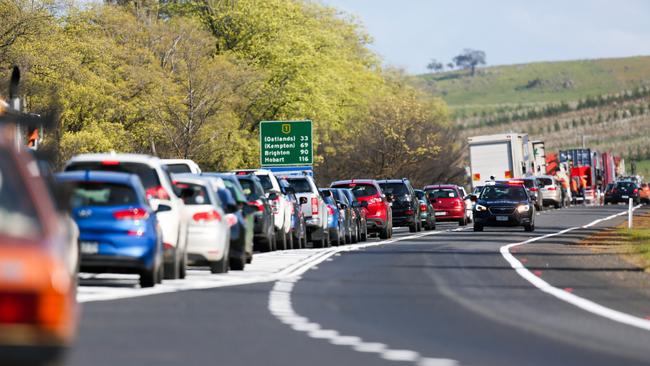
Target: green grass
(558, 81)
(642, 168)
(638, 244)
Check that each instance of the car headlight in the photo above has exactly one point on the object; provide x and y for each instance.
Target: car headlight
(480, 207)
(523, 208)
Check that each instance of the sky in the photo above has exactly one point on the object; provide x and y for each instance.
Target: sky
(409, 33)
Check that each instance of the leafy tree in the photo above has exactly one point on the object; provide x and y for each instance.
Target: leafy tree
(435, 66)
(469, 59)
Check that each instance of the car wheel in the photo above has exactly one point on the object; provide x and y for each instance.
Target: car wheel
(462, 222)
(289, 240)
(219, 266)
(182, 267)
(529, 227)
(280, 241)
(556, 205)
(478, 227)
(148, 277)
(237, 264)
(249, 259)
(172, 268)
(384, 233)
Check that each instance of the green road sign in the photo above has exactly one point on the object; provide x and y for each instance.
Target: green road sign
(286, 143)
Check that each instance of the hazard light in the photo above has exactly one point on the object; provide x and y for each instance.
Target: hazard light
(477, 176)
(508, 174)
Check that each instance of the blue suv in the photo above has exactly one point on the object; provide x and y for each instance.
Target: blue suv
(118, 230)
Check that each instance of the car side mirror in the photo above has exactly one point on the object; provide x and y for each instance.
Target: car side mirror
(163, 208)
(303, 200)
(342, 206)
(154, 204)
(471, 197)
(326, 193)
(389, 197)
(232, 208)
(273, 196)
(248, 209)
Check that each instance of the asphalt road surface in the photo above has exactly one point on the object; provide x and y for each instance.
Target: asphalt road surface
(447, 297)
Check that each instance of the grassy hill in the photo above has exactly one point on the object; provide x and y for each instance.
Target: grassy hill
(540, 82)
(607, 101)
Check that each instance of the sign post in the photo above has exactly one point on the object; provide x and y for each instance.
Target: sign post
(286, 143)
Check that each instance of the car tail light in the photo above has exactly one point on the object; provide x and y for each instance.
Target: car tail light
(138, 232)
(423, 206)
(206, 216)
(636, 190)
(314, 206)
(231, 219)
(516, 182)
(18, 308)
(551, 188)
(259, 204)
(409, 212)
(533, 189)
(131, 214)
(157, 192)
(330, 210)
(110, 162)
(167, 246)
(507, 174)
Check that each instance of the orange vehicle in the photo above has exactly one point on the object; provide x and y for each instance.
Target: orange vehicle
(644, 193)
(38, 308)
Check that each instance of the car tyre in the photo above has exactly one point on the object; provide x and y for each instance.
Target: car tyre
(280, 241)
(529, 227)
(384, 233)
(290, 240)
(148, 277)
(237, 264)
(462, 222)
(172, 268)
(478, 227)
(219, 266)
(182, 267)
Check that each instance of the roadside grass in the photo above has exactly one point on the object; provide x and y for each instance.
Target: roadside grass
(632, 244)
(642, 167)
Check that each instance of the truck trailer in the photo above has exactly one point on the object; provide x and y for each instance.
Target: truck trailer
(499, 157)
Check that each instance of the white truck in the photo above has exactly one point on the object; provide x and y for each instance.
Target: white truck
(538, 152)
(499, 157)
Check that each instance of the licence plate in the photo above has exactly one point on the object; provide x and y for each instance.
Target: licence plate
(89, 247)
(502, 218)
(626, 197)
(440, 213)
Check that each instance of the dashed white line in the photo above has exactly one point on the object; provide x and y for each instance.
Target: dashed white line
(565, 296)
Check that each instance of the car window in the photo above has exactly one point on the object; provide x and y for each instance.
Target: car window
(543, 182)
(626, 185)
(359, 190)
(300, 185)
(178, 168)
(18, 216)
(329, 200)
(529, 183)
(515, 193)
(147, 175)
(266, 182)
(234, 191)
(443, 193)
(193, 194)
(420, 194)
(102, 194)
(399, 190)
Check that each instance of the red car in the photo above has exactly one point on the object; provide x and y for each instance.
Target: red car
(379, 217)
(448, 203)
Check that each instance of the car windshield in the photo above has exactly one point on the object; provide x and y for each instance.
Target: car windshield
(265, 180)
(193, 194)
(178, 168)
(102, 194)
(398, 190)
(147, 175)
(300, 185)
(443, 193)
(359, 190)
(234, 190)
(513, 193)
(543, 182)
(18, 216)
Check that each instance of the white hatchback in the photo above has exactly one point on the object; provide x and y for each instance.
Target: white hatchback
(208, 232)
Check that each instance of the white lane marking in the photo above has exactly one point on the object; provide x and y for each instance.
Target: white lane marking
(571, 298)
(266, 267)
(280, 305)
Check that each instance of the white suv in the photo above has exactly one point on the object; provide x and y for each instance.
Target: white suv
(178, 166)
(315, 209)
(157, 183)
(282, 207)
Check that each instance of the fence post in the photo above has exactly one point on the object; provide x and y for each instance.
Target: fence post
(629, 214)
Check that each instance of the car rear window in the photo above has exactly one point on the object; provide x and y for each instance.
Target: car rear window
(234, 190)
(18, 216)
(443, 193)
(300, 185)
(193, 194)
(514, 193)
(265, 180)
(626, 185)
(529, 183)
(102, 194)
(178, 168)
(396, 189)
(359, 190)
(543, 182)
(147, 175)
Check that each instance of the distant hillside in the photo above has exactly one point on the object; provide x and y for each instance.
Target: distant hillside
(607, 101)
(538, 82)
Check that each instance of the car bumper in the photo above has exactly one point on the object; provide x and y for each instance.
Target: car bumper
(375, 225)
(403, 220)
(449, 214)
(98, 263)
(514, 219)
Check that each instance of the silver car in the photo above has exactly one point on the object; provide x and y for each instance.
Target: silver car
(550, 190)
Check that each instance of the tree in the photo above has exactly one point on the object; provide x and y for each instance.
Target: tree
(435, 66)
(469, 59)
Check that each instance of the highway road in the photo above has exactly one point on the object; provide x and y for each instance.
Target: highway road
(449, 297)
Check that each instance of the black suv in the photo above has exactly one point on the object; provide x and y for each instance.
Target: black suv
(504, 204)
(621, 192)
(405, 203)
